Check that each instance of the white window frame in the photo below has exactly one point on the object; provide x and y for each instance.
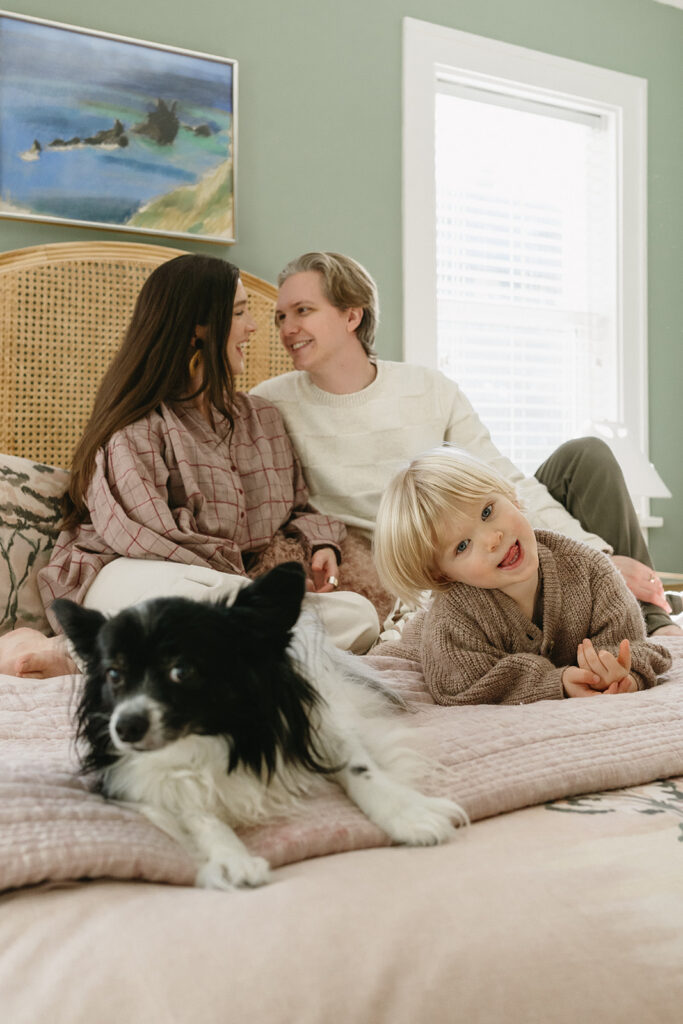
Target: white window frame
(430, 50)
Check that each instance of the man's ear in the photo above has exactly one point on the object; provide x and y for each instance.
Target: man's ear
(354, 318)
(81, 625)
(277, 595)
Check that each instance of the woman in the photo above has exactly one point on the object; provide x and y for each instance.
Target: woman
(180, 485)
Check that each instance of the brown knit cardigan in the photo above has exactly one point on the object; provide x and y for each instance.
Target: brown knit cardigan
(477, 646)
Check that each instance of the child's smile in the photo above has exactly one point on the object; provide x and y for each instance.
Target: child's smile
(491, 546)
(512, 557)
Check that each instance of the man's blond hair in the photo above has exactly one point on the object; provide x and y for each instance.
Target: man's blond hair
(346, 284)
(439, 484)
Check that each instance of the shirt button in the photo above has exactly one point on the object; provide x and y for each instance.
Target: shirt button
(234, 469)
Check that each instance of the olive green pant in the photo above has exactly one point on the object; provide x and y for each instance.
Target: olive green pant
(584, 476)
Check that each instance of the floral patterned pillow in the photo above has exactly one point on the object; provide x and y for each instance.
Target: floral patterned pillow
(29, 523)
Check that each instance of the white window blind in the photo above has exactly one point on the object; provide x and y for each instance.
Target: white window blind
(526, 263)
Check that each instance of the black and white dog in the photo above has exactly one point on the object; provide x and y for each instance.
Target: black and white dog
(209, 717)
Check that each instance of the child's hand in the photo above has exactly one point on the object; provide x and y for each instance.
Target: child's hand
(614, 673)
(578, 682)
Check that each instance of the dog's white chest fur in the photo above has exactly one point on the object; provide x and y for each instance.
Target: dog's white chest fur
(192, 773)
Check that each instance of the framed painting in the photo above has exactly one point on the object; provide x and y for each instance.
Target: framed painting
(109, 132)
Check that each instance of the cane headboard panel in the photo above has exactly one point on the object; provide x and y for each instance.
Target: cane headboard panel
(63, 311)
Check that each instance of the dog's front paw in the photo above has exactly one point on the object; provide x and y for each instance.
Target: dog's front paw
(426, 820)
(232, 872)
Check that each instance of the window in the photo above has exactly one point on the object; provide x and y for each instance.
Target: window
(525, 266)
(524, 236)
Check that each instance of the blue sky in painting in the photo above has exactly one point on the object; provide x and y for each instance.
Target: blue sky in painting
(32, 50)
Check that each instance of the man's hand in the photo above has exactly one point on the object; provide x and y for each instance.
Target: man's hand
(642, 581)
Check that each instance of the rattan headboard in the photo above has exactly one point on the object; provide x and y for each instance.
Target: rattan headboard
(63, 311)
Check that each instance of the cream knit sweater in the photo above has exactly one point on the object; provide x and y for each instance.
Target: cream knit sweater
(350, 446)
(477, 646)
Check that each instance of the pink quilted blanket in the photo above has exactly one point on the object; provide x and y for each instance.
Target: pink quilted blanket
(52, 828)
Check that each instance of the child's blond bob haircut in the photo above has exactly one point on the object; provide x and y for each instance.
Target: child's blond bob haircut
(440, 484)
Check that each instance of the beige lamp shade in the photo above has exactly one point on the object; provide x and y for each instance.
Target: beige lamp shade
(642, 479)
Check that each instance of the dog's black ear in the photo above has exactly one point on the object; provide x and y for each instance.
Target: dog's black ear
(277, 594)
(81, 625)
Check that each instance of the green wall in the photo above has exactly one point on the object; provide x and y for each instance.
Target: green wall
(320, 142)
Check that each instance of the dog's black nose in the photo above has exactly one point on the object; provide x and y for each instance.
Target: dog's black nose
(131, 727)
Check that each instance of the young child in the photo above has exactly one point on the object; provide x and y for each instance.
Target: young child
(518, 615)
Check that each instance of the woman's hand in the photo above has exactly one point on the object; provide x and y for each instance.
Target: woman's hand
(642, 581)
(323, 568)
(614, 673)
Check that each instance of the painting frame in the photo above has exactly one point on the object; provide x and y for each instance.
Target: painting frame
(140, 137)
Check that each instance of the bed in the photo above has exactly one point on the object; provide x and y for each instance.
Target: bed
(562, 901)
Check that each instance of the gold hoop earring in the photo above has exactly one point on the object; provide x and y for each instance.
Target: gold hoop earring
(195, 363)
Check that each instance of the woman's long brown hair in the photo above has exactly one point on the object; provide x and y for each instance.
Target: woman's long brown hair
(152, 364)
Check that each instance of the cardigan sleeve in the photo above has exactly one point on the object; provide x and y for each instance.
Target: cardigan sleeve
(616, 616)
(464, 667)
(455, 675)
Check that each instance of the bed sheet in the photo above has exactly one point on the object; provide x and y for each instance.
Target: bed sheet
(555, 913)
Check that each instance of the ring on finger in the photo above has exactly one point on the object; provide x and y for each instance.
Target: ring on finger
(333, 581)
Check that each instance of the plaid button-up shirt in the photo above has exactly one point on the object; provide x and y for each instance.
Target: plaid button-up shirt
(169, 487)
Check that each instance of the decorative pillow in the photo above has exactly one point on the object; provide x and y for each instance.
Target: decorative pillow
(29, 523)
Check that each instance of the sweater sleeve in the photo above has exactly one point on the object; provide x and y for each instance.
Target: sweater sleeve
(467, 431)
(128, 501)
(616, 616)
(463, 667)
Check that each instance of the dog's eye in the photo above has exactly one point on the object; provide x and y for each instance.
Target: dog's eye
(178, 674)
(114, 677)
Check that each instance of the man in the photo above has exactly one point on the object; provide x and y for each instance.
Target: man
(355, 420)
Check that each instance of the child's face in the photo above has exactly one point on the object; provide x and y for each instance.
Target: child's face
(492, 546)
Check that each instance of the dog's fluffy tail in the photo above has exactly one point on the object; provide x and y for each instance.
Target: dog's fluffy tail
(401, 745)
(315, 654)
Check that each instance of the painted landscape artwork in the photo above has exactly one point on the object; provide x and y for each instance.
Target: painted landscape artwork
(106, 131)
